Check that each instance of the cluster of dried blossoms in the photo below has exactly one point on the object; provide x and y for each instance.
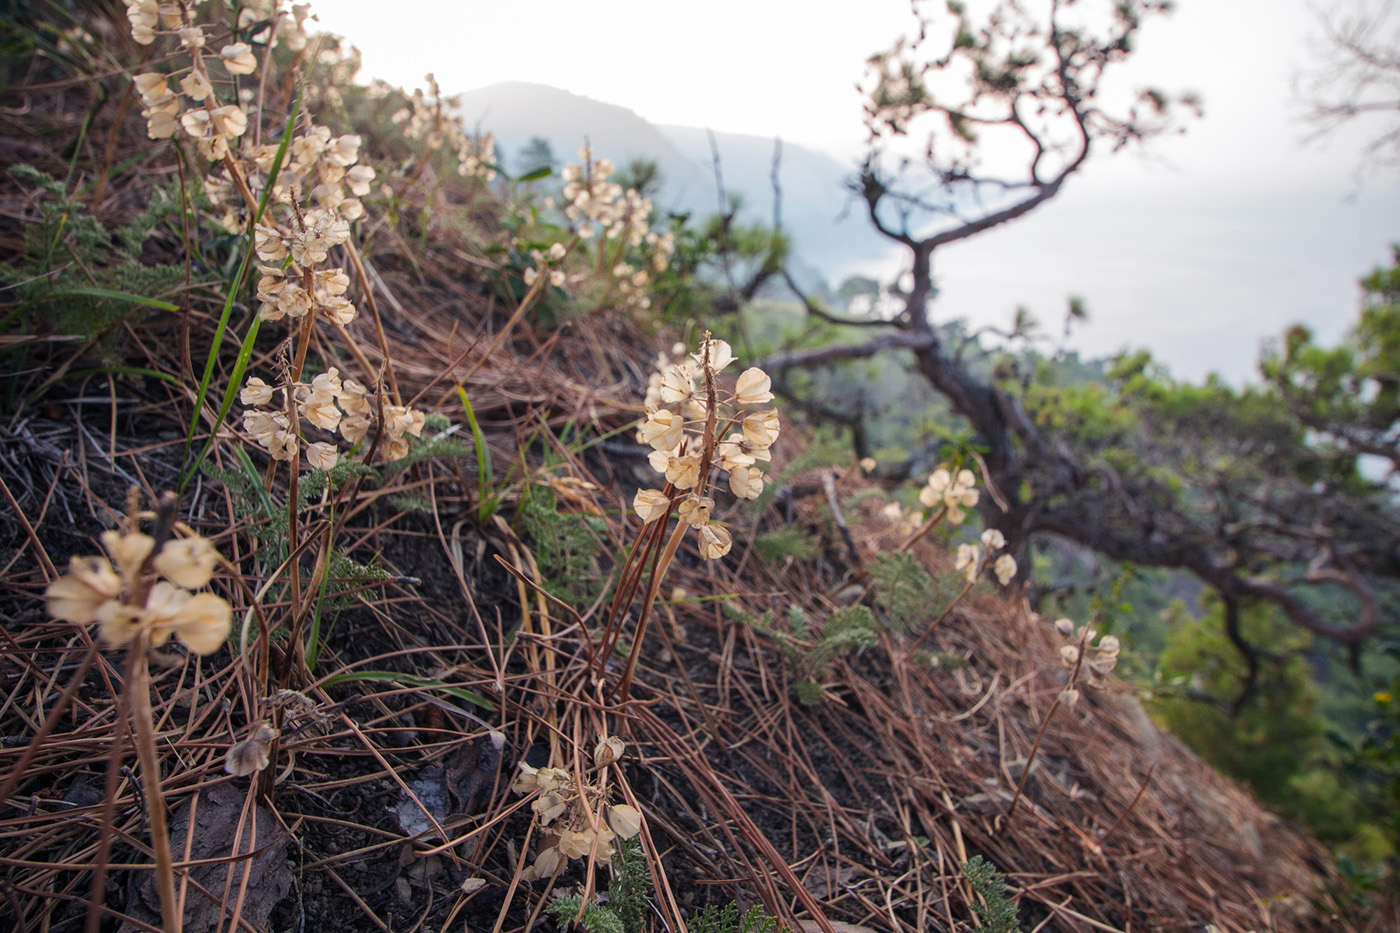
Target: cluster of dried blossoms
(332, 404)
(548, 263)
(319, 169)
(632, 285)
(322, 182)
(322, 171)
(287, 289)
(287, 28)
(1099, 659)
(195, 108)
(596, 205)
(310, 207)
(573, 812)
(972, 561)
(688, 415)
(316, 197)
(433, 119)
(903, 522)
(132, 598)
(953, 493)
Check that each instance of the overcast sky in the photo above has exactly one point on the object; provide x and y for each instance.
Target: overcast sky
(1199, 250)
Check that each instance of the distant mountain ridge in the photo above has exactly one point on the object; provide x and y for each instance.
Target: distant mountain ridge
(830, 237)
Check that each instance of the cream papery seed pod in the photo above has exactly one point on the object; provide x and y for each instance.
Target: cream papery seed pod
(1005, 569)
(968, 560)
(608, 750)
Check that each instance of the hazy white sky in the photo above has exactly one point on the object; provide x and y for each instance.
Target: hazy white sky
(766, 67)
(1215, 240)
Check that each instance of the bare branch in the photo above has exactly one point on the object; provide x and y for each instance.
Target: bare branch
(824, 356)
(817, 311)
(1356, 75)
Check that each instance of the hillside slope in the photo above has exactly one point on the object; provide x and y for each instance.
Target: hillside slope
(419, 627)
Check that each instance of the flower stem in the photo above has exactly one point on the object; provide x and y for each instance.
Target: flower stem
(944, 615)
(653, 586)
(1044, 724)
(139, 683)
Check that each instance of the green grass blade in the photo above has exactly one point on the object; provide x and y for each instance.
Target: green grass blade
(410, 680)
(485, 475)
(245, 353)
(222, 326)
(268, 507)
(111, 293)
(124, 371)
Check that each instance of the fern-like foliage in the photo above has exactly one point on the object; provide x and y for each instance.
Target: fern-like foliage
(760, 623)
(592, 916)
(846, 630)
(996, 911)
(428, 448)
(727, 919)
(73, 273)
(905, 591)
(628, 894)
(266, 516)
(627, 905)
(797, 619)
(777, 546)
(567, 546)
(808, 692)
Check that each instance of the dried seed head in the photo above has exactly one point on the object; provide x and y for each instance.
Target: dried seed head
(253, 753)
(715, 541)
(695, 510)
(683, 472)
(753, 388)
(548, 863)
(762, 429)
(238, 59)
(1004, 568)
(662, 429)
(129, 551)
(715, 354)
(549, 806)
(188, 562)
(77, 596)
(746, 482)
(968, 560)
(528, 781)
(256, 392)
(322, 456)
(650, 504)
(575, 844)
(608, 750)
(624, 820)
